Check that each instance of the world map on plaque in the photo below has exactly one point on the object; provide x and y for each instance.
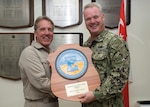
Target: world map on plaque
(71, 64)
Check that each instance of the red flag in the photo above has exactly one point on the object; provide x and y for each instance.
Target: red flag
(122, 22)
(123, 34)
(125, 93)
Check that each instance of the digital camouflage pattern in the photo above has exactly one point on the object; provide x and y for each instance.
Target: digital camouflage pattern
(111, 58)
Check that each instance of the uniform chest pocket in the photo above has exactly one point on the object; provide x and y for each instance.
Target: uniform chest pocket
(100, 54)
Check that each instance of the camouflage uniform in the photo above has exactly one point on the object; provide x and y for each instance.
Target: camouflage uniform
(111, 58)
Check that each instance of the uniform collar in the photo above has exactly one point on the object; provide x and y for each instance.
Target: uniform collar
(101, 36)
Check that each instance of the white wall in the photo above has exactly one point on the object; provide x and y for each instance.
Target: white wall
(11, 92)
(139, 44)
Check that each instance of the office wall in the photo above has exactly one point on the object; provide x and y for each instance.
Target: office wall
(11, 92)
(139, 44)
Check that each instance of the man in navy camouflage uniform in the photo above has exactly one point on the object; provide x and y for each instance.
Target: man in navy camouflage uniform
(110, 57)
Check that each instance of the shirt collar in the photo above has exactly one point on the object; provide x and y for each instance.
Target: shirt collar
(39, 46)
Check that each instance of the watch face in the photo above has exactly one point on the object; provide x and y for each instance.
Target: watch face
(71, 64)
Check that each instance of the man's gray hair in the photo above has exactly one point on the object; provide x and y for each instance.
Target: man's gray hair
(42, 18)
(93, 4)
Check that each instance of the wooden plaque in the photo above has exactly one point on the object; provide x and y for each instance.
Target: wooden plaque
(73, 72)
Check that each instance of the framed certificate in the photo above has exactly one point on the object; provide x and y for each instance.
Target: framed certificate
(111, 9)
(63, 14)
(11, 46)
(16, 13)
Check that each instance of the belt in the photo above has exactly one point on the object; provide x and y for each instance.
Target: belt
(46, 100)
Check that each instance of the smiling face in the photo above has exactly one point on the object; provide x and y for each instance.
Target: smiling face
(44, 32)
(94, 20)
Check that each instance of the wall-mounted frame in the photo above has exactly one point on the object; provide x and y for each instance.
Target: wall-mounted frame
(66, 38)
(64, 13)
(111, 9)
(16, 13)
(11, 46)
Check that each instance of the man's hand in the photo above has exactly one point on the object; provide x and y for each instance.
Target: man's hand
(87, 97)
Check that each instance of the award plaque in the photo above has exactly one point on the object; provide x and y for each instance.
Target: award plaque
(73, 72)
(111, 9)
(64, 13)
(16, 13)
(11, 46)
(66, 38)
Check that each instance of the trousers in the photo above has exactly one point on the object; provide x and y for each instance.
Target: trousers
(39, 103)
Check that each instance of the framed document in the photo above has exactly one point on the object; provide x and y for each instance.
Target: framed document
(63, 14)
(111, 9)
(11, 46)
(16, 13)
(66, 38)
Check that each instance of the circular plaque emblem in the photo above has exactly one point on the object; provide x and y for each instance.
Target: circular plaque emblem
(71, 64)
